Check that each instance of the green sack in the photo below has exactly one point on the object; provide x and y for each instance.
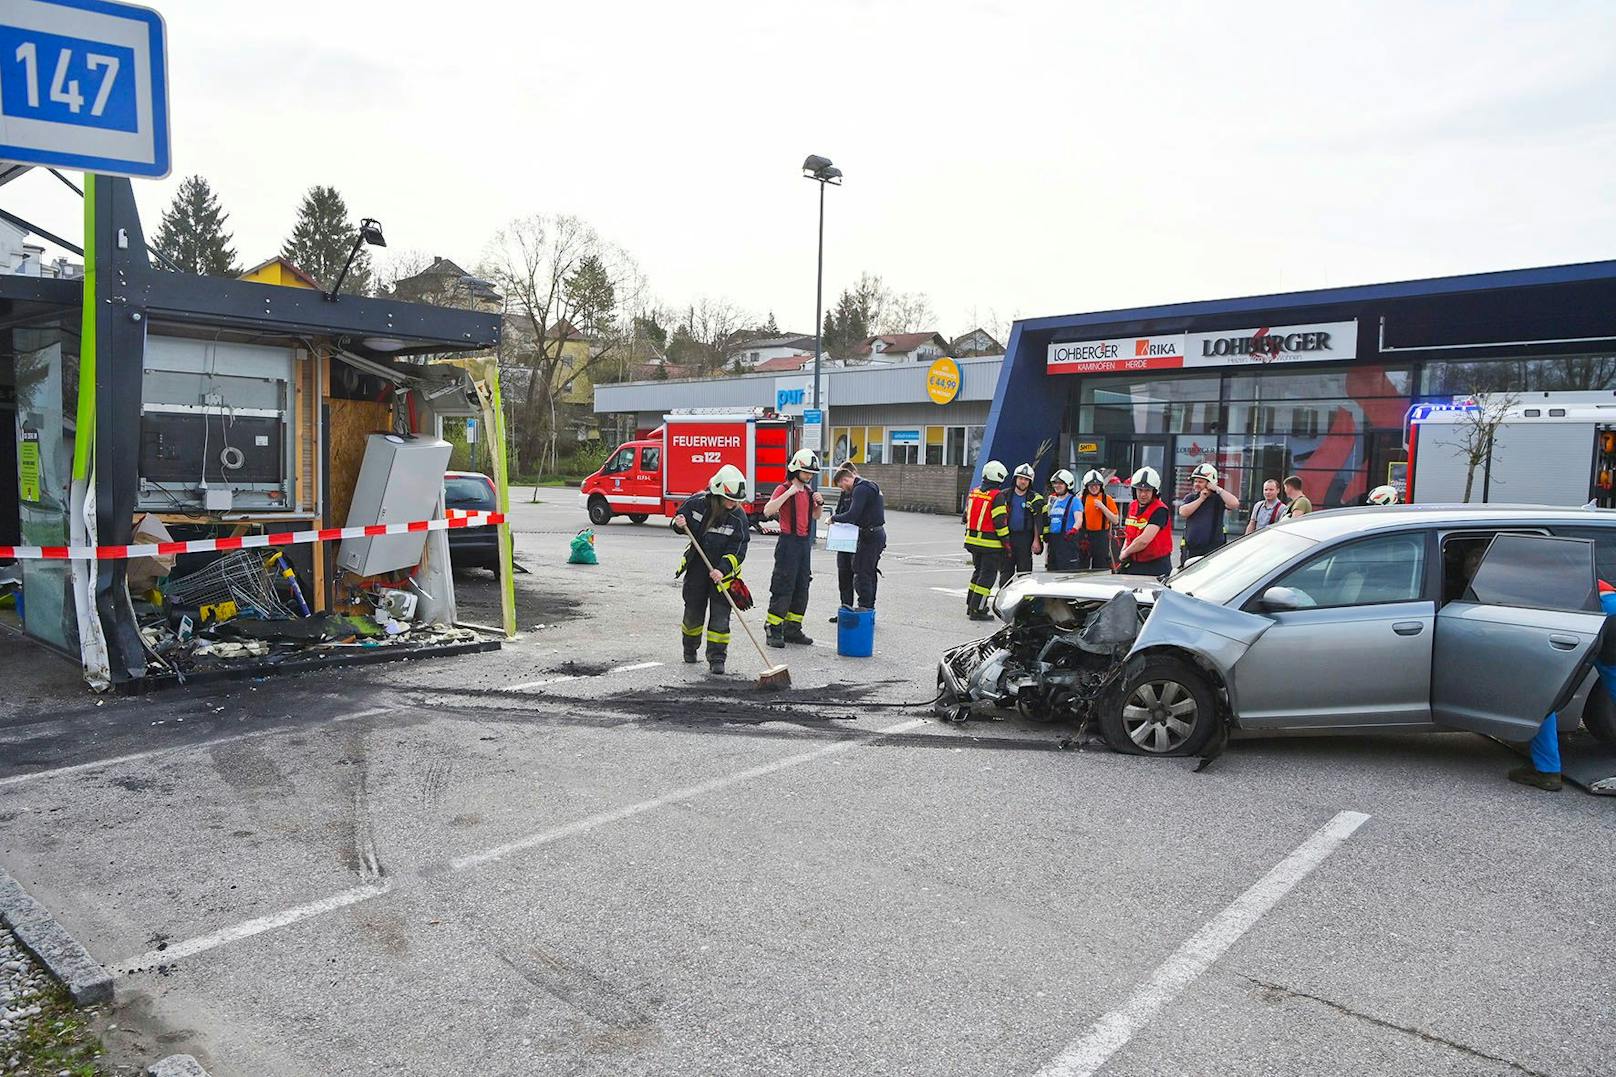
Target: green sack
(583, 548)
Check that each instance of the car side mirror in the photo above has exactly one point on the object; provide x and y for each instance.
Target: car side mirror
(1282, 599)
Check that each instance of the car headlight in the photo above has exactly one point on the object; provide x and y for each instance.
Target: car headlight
(1009, 597)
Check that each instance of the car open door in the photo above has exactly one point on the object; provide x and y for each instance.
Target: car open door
(1517, 643)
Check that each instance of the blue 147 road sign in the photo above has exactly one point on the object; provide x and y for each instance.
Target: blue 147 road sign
(84, 85)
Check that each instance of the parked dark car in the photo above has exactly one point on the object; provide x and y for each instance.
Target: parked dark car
(471, 547)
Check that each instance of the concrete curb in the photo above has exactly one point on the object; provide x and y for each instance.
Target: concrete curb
(176, 1066)
(48, 941)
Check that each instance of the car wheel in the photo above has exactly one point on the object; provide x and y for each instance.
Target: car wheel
(600, 513)
(638, 517)
(1165, 707)
(1599, 714)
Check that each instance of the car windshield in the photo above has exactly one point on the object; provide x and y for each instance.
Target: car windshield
(466, 489)
(1227, 571)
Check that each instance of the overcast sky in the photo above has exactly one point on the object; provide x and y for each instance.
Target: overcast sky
(1021, 158)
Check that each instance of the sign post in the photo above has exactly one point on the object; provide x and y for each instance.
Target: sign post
(813, 429)
(84, 85)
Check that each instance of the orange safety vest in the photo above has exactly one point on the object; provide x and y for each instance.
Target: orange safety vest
(987, 522)
(1135, 522)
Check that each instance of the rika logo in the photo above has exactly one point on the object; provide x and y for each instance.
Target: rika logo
(1145, 348)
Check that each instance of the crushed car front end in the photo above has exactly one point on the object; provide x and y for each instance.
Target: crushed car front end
(1060, 651)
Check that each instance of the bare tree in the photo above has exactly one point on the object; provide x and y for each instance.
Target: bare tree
(563, 284)
(399, 265)
(904, 312)
(1474, 434)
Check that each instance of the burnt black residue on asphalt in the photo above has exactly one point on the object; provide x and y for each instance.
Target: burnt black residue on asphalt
(740, 708)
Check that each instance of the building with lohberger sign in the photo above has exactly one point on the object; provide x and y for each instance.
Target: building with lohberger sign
(1313, 384)
(84, 85)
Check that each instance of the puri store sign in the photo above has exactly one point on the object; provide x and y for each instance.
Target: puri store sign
(1226, 347)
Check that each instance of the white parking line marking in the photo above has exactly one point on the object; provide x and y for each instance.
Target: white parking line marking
(248, 928)
(960, 591)
(576, 677)
(539, 684)
(1084, 1056)
(342, 899)
(132, 757)
(567, 830)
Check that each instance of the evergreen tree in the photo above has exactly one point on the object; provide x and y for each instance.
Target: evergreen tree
(192, 233)
(321, 239)
(771, 328)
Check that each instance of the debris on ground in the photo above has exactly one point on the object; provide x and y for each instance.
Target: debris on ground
(247, 609)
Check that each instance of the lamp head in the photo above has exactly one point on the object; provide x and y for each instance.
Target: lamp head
(370, 231)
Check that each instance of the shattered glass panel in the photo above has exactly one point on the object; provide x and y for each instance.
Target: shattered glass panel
(44, 477)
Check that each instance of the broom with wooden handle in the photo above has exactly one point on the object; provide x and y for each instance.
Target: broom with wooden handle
(772, 676)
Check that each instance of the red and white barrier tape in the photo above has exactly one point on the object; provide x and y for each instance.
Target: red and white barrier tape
(456, 520)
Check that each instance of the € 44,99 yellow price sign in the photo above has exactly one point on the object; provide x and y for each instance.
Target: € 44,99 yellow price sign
(943, 381)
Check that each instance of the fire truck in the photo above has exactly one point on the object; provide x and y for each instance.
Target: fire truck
(653, 475)
(1556, 448)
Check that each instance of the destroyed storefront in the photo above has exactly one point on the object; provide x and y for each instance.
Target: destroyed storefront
(244, 421)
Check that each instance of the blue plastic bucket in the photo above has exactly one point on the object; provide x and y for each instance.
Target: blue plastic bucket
(855, 633)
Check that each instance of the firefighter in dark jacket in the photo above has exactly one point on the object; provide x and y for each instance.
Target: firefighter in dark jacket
(863, 506)
(797, 506)
(987, 539)
(714, 519)
(1026, 513)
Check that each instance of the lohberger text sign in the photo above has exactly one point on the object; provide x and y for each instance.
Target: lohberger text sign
(1226, 347)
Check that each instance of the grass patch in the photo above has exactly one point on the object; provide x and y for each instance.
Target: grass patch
(58, 1039)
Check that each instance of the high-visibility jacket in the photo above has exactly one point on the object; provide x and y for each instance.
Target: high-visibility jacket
(987, 521)
(1138, 519)
(1064, 517)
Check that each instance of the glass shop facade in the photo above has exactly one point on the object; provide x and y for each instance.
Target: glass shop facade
(1312, 384)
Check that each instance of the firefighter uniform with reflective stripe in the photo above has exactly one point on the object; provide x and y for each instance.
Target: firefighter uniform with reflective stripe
(987, 537)
(723, 536)
(1156, 559)
(1028, 518)
(793, 556)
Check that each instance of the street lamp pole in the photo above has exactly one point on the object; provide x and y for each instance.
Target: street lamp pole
(820, 170)
(819, 298)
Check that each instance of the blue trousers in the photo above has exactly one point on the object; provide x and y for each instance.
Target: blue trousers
(1545, 746)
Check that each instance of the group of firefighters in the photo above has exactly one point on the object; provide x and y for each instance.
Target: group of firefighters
(1007, 526)
(718, 528)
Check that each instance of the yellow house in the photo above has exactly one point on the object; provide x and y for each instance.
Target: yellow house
(279, 271)
(577, 388)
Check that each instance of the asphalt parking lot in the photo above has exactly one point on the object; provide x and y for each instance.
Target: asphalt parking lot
(579, 856)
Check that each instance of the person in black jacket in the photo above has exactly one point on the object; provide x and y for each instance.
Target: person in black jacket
(715, 520)
(863, 506)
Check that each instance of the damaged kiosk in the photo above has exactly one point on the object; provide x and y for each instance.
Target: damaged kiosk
(228, 428)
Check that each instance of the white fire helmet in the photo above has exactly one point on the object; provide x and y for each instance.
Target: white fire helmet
(1205, 471)
(1383, 495)
(993, 471)
(728, 482)
(804, 460)
(1146, 476)
(1024, 471)
(1094, 475)
(1064, 476)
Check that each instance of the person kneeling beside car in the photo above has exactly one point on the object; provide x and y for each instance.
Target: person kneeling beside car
(1543, 772)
